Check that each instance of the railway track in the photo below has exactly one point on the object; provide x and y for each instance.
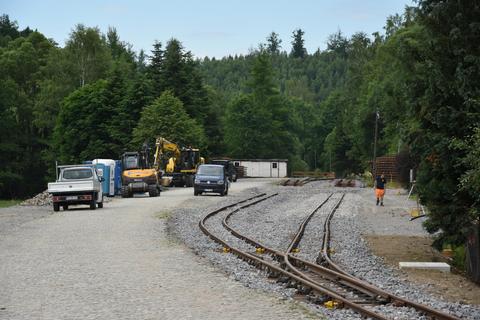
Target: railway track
(326, 282)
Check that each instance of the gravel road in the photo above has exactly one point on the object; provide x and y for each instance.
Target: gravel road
(119, 263)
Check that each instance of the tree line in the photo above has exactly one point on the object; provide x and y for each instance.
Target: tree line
(95, 98)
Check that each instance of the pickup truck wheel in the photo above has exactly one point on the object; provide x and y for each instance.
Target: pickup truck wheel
(93, 204)
(65, 207)
(56, 207)
(100, 204)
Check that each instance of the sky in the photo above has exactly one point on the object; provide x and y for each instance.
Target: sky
(213, 28)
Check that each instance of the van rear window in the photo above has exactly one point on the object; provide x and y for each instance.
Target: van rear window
(77, 174)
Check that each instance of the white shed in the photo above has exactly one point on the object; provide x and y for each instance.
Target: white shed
(268, 168)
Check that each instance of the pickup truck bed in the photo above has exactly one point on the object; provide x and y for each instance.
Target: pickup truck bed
(70, 187)
(68, 191)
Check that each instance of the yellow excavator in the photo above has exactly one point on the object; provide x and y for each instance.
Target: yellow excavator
(137, 174)
(179, 164)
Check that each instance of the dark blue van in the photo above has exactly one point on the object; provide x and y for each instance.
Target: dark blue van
(211, 178)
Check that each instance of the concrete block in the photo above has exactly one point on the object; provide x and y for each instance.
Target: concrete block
(439, 266)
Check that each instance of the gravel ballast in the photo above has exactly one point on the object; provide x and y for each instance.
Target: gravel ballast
(275, 221)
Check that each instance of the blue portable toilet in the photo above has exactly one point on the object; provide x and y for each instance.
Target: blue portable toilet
(108, 168)
(118, 177)
(102, 172)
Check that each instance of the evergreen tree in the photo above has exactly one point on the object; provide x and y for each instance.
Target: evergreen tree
(175, 70)
(120, 120)
(298, 48)
(9, 30)
(274, 43)
(448, 112)
(156, 67)
(258, 123)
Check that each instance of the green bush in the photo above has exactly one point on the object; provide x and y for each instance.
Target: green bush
(459, 257)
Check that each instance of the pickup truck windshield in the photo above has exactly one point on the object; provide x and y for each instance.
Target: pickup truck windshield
(72, 174)
(210, 171)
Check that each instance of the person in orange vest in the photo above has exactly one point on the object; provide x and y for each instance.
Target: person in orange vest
(380, 184)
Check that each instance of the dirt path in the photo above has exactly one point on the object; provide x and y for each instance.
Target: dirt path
(118, 263)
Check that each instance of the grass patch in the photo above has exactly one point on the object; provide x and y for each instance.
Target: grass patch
(9, 203)
(163, 215)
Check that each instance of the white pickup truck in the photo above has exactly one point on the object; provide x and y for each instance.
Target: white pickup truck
(76, 184)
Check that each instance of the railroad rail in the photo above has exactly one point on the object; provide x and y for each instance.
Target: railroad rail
(326, 279)
(297, 182)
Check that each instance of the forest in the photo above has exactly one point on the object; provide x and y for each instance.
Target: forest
(418, 78)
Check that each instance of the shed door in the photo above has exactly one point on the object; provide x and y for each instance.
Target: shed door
(275, 173)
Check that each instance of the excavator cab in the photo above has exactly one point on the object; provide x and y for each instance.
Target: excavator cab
(131, 160)
(137, 176)
(189, 159)
(187, 166)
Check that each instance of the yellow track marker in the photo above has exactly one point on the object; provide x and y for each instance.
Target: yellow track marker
(331, 304)
(259, 250)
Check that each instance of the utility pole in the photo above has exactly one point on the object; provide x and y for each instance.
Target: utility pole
(374, 163)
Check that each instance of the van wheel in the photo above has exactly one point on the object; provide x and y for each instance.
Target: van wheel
(56, 207)
(222, 193)
(65, 207)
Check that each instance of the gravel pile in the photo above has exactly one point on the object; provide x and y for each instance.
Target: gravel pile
(275, 221)
(41, 199)
(45, 199)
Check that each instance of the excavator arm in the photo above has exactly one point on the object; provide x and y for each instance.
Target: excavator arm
(163, 145)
